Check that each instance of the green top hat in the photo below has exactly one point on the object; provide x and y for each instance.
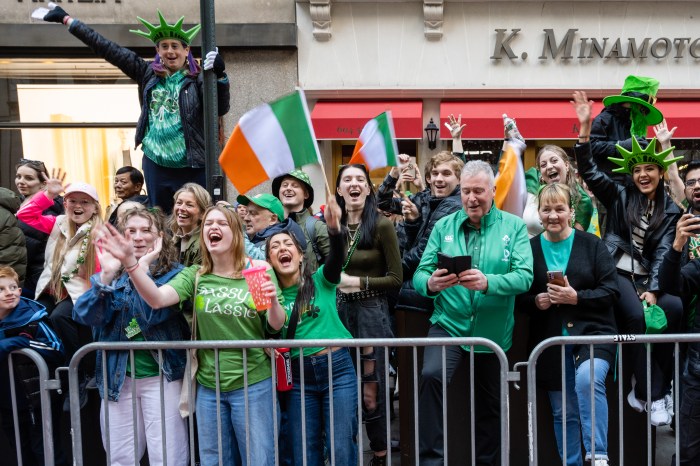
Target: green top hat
(299, 175)
(637, 156)
(639, 90)
(266, 201)
(167, 31)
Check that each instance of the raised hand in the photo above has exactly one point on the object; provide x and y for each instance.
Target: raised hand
(152, 254)
(116, 244)
(663, 134)
(583, 107)
(56, 14)
(54, 184)
(109, 265)
(332, 214)
(688, 226)
(455, 126)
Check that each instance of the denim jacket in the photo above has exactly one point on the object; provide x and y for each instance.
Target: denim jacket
(109, 310)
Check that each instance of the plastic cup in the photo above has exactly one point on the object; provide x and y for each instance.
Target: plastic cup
(255, 277)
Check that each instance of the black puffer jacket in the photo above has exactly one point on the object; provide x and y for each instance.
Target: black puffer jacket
(611, 127)
(618, 233)
(36, 247)
(190, 100)
(13, 251)
(417, 235)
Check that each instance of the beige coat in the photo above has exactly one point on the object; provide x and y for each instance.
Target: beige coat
(77, 285)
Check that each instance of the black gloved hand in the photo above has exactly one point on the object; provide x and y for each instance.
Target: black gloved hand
(643, 142)
(627, 143)
(219, 66)
(214, 62)
(56, 15)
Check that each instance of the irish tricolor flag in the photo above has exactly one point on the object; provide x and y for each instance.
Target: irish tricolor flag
(511, 192)
(376, 146)
(268, 141)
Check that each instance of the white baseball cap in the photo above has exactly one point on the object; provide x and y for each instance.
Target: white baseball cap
(81, 187)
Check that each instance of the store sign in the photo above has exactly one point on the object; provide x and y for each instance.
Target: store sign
(572, 45)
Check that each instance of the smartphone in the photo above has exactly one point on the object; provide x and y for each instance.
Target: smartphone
(445, 262)
(462, 263)
(454, 265)
(411, 170)
(555, 277)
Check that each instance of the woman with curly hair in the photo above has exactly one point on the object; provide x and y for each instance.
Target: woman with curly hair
(116, 312)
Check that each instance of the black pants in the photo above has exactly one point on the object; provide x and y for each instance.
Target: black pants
(72, 334)
(487, 390)
(689, 437)
(629, 314)
(163, 182)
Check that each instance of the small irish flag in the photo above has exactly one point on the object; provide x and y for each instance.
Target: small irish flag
(376, 146)
(511, 192)
(268, 141)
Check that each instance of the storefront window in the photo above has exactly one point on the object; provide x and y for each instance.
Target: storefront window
(76, 115)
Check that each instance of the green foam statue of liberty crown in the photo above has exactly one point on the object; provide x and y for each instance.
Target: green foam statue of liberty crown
(167, 31)
(637, 156)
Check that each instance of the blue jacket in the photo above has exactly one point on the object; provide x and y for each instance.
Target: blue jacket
(26, 327)
(109, 310)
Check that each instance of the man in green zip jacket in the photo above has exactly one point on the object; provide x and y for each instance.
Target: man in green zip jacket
(477, 302)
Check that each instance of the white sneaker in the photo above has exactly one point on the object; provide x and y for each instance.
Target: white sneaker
(668, 398)
(659, 414)
(634, 402)
(600, 463)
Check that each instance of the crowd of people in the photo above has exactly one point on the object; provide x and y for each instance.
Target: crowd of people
(70, 274)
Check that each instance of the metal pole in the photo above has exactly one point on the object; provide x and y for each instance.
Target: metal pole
(211, 112)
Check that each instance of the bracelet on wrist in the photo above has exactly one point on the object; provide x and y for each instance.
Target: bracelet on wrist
(66, 19)
(132, 268)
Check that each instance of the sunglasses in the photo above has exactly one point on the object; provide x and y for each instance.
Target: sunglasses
(35, 164)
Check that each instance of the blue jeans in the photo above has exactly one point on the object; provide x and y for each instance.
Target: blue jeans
(233, 426)
(317, 391)
(578, 410)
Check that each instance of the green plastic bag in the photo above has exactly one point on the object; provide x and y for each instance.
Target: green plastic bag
(655, 318)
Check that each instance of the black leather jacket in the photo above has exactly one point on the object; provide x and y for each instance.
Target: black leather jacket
(190, 100)
(618, 233)
(417, 235)
(611, 127)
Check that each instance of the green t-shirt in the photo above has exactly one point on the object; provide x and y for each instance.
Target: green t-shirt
(320, 320)
(225, 311)
(145, 364)
(164, 142)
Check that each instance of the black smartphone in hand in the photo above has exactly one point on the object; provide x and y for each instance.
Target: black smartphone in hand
(455, 264)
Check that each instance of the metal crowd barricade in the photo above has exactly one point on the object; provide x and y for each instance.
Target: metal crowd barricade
(45, 384)
(386, 343)
(619, 341)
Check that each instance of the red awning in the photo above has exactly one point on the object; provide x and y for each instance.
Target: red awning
(345, 120)
(550, 119)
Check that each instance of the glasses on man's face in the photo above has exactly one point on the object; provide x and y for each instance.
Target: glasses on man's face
(35, 164)
(691, 182)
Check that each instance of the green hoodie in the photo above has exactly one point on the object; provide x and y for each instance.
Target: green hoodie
(501, 250)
